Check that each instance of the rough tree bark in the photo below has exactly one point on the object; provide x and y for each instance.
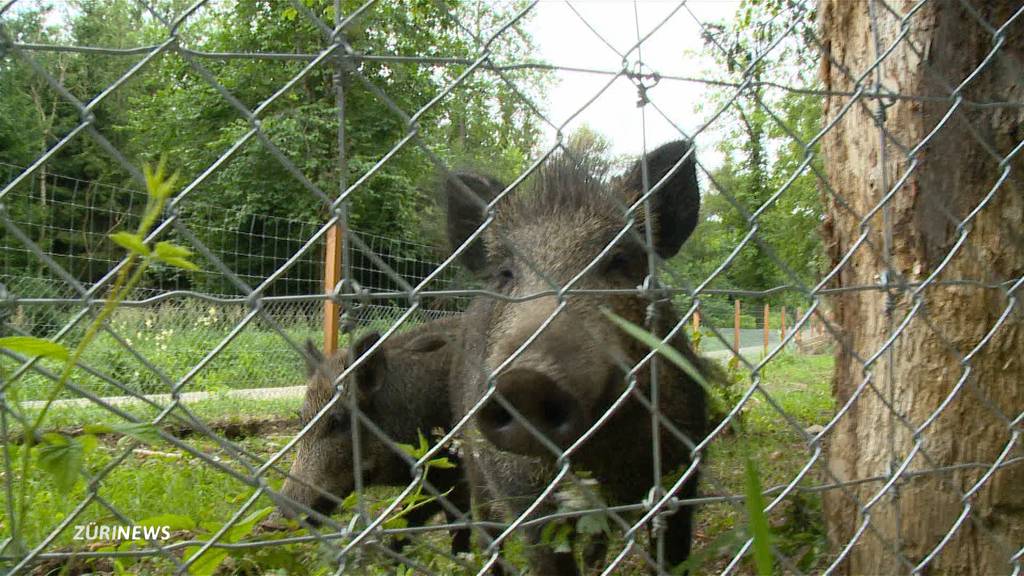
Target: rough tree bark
(943, 44)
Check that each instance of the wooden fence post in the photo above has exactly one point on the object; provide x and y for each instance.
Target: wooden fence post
(767, 323)
(782, 323)
(332, 275)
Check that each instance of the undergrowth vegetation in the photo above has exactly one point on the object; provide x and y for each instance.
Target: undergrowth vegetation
(165, 484)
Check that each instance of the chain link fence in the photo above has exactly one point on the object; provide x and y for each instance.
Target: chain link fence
(499, 421)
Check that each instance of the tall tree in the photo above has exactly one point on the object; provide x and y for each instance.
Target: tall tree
(949, 394)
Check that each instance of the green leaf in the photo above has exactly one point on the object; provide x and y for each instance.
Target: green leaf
(758, 519)
(169, 250)
(442, 462)
(350, 501)
(408, 449)
(31, 346)
(416, 452)
(206, 564)
(89, 443)
(396, 523)
(244, 526)
(180, 263)
(424, 445)
(144, 432)
(662, 348)
(172, 521)
(174, 255)
(62, 458)
(210, 526)
(130, 242)
(157, 183)
(563, 539)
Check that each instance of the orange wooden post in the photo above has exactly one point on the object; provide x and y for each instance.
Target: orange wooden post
(696, 321)
(767, 323)
(782, 323)
(799, 312)
(736, 328)
(332, 275)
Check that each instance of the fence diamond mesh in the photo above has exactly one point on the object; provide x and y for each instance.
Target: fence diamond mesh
(568, 384)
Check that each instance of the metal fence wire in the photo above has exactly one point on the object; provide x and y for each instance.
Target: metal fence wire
(531, 497)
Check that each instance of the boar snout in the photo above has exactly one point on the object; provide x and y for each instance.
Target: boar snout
(552, 411)
(322, 504)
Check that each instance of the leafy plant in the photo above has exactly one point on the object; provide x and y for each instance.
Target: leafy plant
(417, 499)
(205, 563)
(61, 456)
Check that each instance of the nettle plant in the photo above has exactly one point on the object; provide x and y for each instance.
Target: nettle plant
(60, 456)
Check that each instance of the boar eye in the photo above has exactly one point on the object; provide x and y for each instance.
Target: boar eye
(625, 263)
(337, 422)
(504, 276)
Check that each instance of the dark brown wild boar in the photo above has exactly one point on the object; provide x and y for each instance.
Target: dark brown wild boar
(545, 233)
(403, 389)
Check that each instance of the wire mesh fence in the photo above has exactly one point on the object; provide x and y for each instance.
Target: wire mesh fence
(534, 398)
(71, 219)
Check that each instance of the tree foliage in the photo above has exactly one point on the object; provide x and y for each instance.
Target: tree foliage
(174, 106)
(768, 164)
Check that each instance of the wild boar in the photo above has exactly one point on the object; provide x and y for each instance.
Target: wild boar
(403, 389)
(544, 233)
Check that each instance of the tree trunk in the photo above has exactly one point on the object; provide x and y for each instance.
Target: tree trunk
(954, 172)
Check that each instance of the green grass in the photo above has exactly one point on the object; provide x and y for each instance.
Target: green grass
(800, 386)
(174, 338)
(147, 486)
(215, 408)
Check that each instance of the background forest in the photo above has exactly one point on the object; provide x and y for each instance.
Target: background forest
(762, 142)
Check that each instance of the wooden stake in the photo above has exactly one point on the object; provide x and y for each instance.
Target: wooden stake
(332, 275)
(767, 323)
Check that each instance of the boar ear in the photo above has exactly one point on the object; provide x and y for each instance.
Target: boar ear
(367, 375)
(314, 358)
(675, 205)
(466, 213)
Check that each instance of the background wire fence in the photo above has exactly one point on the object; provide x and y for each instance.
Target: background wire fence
(258, 296)
(173, 316)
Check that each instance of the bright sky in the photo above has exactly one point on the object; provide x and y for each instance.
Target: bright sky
(675, 48)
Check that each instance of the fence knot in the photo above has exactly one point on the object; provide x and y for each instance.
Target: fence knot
(880, 114)
(640, 73)
(658, 521)
(254, 301)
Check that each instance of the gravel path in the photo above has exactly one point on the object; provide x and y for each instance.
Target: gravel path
(751, 353)
(189, 397)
